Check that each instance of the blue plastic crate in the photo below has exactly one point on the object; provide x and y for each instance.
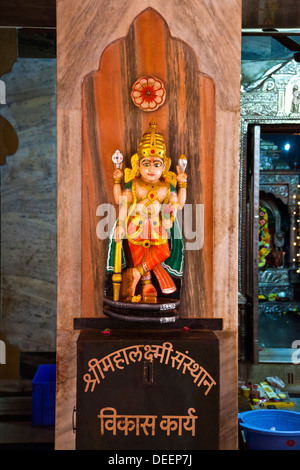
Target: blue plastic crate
(43, 396)
(271, 429)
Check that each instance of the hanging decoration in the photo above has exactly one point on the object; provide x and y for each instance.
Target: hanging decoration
(264, 237)
(148, 93)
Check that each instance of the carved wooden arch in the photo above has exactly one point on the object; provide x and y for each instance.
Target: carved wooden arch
(111, 121)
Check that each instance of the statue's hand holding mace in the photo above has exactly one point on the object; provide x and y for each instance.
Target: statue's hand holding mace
(182, 179)
(117, 160)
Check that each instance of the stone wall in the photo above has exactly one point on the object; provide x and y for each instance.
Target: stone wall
(28, 208)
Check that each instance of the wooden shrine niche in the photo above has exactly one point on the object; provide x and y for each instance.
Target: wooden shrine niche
(111, 121)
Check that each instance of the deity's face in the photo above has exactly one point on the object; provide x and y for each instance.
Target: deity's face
(151, 169)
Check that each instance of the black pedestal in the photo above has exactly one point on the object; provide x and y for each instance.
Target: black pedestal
(147, 390)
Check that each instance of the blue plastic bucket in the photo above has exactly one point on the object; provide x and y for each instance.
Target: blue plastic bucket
(271, 429)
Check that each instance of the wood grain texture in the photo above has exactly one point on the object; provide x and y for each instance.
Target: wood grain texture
(226, 192)
(111, 121)
(8, 50)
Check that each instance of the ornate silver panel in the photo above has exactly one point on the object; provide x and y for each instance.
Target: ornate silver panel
(273, 99)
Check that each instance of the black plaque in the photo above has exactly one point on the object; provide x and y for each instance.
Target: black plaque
(147, 390)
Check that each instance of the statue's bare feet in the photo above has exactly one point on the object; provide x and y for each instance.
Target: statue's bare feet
(149, 293)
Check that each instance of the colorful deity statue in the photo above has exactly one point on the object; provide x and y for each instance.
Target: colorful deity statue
(148, 204)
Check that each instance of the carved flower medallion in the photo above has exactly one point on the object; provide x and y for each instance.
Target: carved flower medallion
(148, 93)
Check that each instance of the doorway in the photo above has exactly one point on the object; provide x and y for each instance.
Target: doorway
(270, 243)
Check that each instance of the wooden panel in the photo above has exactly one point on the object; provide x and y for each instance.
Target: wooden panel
(115, 324)
(111, 121)
(8, 50)
(9, 141)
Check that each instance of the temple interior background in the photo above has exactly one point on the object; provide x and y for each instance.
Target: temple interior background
(269, 281)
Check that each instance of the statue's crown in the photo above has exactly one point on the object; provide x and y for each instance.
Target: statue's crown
(152, 143)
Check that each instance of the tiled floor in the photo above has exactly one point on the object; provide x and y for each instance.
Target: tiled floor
(16, 430)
